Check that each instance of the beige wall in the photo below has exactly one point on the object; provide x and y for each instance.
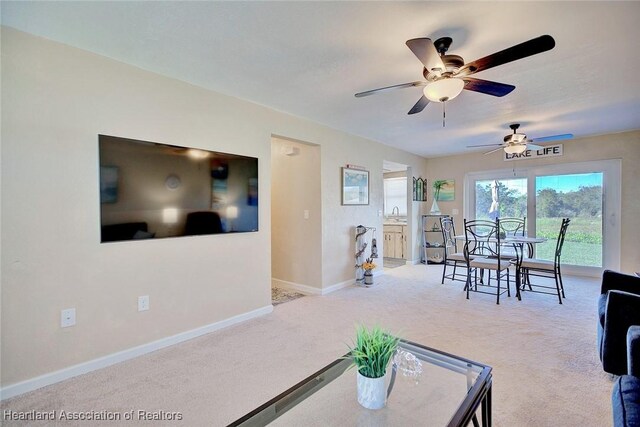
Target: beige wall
(55, 101)
(625, 146)
(296, 242)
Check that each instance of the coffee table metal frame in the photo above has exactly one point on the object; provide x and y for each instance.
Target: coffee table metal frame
(478, 394)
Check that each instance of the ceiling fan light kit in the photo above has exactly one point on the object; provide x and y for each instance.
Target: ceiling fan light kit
(515, 148)
(444, 89)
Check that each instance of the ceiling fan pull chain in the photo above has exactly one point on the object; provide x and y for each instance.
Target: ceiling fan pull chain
(444, 112)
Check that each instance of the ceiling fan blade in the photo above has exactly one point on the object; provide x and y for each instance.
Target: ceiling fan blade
(422, 102)
(519, 51)
(382, 89)
(488, 87)
(534, 147)
(426, 52)
(485, 145)
(553, 138)
(493, 151)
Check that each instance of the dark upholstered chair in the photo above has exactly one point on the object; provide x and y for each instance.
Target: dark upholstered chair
(625, 397)
(202, 223)
(125, 231)
(618, 310)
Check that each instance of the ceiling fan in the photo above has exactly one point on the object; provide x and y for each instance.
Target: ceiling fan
(446, 75)
(516, 143)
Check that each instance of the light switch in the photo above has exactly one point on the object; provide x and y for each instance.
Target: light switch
(306, 214)
(379, 212)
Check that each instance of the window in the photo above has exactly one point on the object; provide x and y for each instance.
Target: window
(588, 193)
(574, 196)
(501, 198)
(395, 195)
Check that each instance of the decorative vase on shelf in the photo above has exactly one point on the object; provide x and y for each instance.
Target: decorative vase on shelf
(435, 209)
(368, 277)
(372, 392)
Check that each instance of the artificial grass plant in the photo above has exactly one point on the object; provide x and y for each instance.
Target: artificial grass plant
(372, 351)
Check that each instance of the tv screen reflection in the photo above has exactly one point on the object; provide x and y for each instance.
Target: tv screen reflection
(150, 190)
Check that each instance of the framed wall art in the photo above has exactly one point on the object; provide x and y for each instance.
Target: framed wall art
(355, 186)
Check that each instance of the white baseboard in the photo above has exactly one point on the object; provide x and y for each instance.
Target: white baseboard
(303, 289)
(111, 359)
(311, 290)
(338, 286)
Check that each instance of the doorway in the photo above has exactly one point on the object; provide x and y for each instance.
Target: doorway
(396, 205)
(296, 223)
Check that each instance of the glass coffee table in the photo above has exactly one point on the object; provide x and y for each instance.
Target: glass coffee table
(448, 393)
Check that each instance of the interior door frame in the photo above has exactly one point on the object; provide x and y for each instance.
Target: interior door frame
(611, 209)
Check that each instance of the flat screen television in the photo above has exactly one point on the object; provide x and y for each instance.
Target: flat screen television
(150, 190)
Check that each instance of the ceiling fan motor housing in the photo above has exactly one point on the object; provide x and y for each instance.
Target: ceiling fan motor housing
(515, 138)
(452, 64)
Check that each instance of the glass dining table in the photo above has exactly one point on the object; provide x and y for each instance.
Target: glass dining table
(511, 240)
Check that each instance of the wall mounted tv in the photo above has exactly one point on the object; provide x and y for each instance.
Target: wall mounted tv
(151, 190)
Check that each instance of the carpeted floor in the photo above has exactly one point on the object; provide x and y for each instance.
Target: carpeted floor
(546, 369)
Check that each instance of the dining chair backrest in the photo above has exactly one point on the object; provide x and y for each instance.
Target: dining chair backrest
(560, 241)
(482, 238)
(448, 235)
(513, 226)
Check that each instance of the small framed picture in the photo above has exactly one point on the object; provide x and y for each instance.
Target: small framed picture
(355, 187)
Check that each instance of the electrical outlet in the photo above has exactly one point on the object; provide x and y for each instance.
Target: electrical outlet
(67, 317)
(143, 303)
(454, 211)
(306, 214)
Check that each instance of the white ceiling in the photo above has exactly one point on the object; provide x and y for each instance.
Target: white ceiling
(310, 58)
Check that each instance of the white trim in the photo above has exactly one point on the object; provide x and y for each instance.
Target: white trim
(311, 290)
(121, 356)
(303, 289)
(341, 285)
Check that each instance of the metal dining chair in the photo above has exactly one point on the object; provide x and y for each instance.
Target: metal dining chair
(482, 252)
(509, 227)
(513, 226)
(452, 258)
(545, 268)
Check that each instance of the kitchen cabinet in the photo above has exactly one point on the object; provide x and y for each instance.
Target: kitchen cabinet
(395, 241)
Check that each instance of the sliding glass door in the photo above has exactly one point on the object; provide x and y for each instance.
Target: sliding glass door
(501, 198)
(574, 196)
(588, 193)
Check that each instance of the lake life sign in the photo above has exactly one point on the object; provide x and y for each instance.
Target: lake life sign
(548, 151)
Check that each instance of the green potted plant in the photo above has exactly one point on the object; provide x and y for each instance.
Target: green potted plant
(371, 353)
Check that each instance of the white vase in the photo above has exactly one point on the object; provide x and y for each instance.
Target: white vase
(372, 392)
(368, 277)
(435, 209)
